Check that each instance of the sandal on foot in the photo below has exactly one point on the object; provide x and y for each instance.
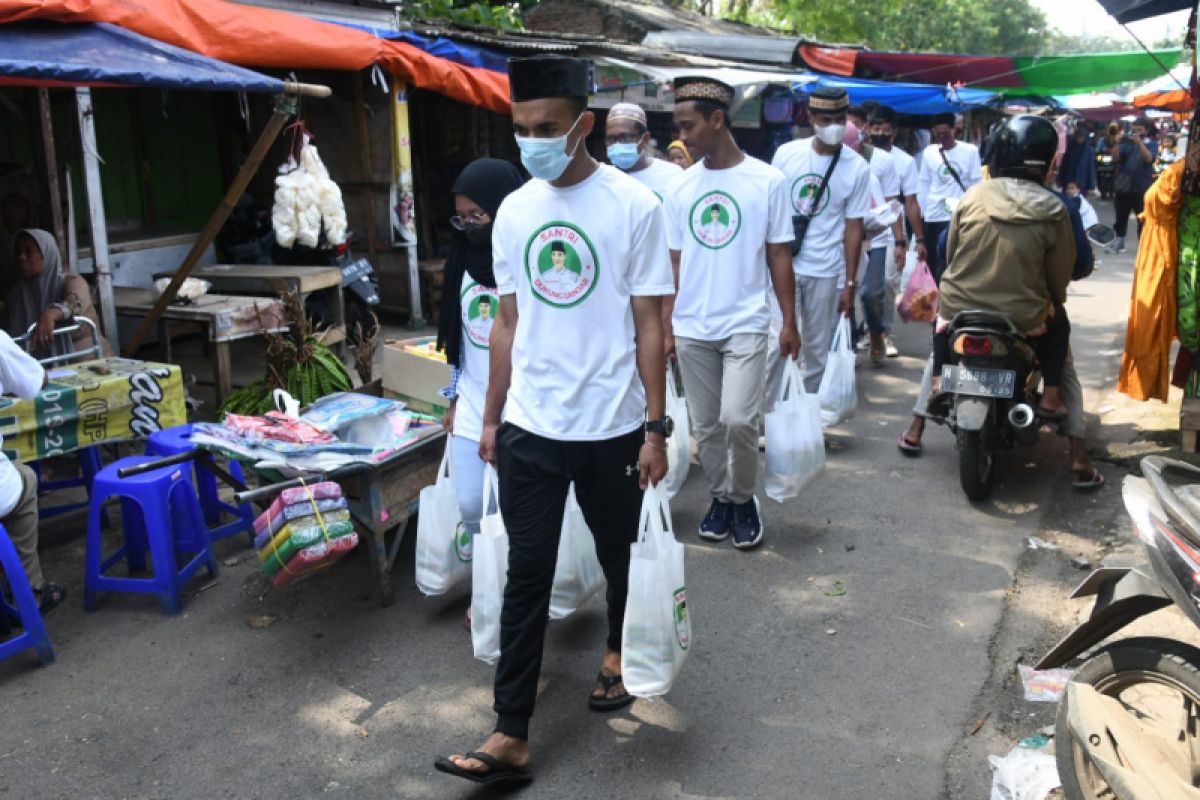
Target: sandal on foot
(50, 596)
(1087, 481)
(1053, 415)
(497, 771)
(607, 703)
(907, 447)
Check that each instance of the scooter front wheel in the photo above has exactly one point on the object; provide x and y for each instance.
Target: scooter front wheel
(1158, 682)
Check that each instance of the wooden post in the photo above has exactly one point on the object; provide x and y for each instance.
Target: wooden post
(364, 149)
(56, 212)
(99, 225)
(283, 111)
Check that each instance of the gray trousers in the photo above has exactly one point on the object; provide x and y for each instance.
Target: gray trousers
(22, 526)
(724, 381)
(816, 313)
(1070, 389)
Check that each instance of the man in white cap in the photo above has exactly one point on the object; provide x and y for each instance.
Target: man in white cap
(627, 138)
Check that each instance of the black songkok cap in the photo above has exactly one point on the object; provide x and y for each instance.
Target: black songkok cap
(828, 100)
(538, 77)
(709, 90)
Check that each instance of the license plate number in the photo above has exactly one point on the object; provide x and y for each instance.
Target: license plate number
(979, 382)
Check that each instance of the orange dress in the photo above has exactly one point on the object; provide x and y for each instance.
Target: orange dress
(1145, 366)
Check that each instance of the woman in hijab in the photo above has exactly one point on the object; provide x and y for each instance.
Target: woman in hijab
(678, 154)
(469, 305)
(45, 296)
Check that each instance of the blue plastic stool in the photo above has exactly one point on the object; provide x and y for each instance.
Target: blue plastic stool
(162, 516)
(25, 613)
(176, 440)
(90, 464)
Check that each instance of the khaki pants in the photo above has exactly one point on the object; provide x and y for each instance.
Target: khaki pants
(725, 382)
(22, 526)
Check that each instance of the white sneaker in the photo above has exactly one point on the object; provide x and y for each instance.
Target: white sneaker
(889, 347)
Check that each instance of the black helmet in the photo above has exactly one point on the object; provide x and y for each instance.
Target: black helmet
(1022, 147)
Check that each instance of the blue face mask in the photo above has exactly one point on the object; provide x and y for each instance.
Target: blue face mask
(547, 159)
(623, 156)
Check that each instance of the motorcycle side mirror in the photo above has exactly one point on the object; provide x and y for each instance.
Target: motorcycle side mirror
(1101, 235)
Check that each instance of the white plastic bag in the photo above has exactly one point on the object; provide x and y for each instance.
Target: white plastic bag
(795, 444)
(489, 574)
(443, 544)
(679, 447)
(577, 574)
(1023, 774)
(839, 400)
(658, 630)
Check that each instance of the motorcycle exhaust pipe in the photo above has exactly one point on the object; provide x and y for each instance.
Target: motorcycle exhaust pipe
(1024, 423)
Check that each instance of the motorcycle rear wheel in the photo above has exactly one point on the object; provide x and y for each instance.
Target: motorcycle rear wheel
(1148, 676)
(976, 463)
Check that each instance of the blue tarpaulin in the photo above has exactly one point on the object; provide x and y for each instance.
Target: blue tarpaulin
(903, 98)
(468, 55)
(99, 54)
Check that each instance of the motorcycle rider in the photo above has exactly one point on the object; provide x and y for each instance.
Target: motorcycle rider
(1012, 249)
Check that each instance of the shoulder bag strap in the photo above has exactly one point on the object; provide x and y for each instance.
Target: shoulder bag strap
(949, 166)
(825, 181)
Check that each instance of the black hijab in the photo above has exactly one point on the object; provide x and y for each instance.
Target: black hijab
(486, 181)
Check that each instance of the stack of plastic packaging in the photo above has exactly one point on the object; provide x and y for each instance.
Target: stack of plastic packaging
(305, 531)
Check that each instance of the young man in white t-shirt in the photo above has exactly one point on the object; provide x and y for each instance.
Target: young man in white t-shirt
(627, 138)
(729, 228)
(578, 377)
(23, 376)
(826, 265)
(946, 169)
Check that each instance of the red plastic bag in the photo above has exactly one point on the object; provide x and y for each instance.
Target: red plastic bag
(920, 300)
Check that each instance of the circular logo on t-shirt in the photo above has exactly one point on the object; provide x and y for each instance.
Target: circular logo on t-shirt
(944, 174)
(561, 264)
(804, 189)
(479, 305)
(715, 220)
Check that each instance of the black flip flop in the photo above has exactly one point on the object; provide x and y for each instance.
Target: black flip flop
(609, 703)
(50, 596)
(497, 771)
(908, 448)
(1093, 481)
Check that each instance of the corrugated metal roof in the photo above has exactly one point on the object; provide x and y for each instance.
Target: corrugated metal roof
(734, 47)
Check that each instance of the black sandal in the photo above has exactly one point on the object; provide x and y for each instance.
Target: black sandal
(607, 703)
(497, 771)
(50, 596)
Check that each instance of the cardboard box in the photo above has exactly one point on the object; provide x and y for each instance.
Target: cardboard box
(414, 379)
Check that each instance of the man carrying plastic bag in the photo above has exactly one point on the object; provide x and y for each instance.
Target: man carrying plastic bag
(577, 372)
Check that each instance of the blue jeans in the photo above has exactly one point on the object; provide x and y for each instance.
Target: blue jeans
(874, 290)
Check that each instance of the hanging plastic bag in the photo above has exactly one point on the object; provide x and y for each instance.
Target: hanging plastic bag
(679, 447)
(795, 444)
(919, 303)
(443, 543)
(577, 575)
(839, 399)
(658, 630)
(489, 574)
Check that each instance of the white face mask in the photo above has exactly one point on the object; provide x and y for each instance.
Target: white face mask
(830, 134)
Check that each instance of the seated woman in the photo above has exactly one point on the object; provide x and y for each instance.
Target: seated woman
(44, 295)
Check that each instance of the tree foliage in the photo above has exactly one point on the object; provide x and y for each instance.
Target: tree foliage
(503, 16)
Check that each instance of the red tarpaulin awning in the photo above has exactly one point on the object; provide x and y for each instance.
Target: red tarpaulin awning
(259, 37)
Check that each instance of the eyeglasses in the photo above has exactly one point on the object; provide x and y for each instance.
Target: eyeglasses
(460, 222)
(623, 138)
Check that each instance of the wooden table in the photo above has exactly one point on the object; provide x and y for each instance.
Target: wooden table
(325, 283)
(227, 318)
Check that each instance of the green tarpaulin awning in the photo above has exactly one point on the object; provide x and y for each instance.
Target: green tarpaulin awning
(1090, 72)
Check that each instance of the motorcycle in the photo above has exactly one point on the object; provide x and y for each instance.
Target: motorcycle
(1105, 175)
(1129, 723)
(247, 238)
(985, 400)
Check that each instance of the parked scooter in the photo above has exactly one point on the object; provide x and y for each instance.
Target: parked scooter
(1129, 723)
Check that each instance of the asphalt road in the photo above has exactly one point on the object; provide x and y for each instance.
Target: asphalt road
(840, 660)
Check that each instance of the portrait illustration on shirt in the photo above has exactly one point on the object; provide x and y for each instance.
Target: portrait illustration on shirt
(561, 264)
(479, 306)
(715, 220)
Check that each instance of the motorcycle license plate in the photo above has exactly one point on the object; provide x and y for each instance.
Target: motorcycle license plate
(978, 382)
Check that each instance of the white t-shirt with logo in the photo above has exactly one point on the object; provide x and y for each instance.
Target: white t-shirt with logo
(935, 183)
(878, 200)
(574, 364)
(477, 307)
(883, 167)
(20, 375)
(658, 176)
(848, 196)
(720, 221)
(906, 168)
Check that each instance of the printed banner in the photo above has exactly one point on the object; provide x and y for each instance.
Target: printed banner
(106, 400)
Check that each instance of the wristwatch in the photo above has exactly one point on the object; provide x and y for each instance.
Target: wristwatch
(852, 284)
(663, 427)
